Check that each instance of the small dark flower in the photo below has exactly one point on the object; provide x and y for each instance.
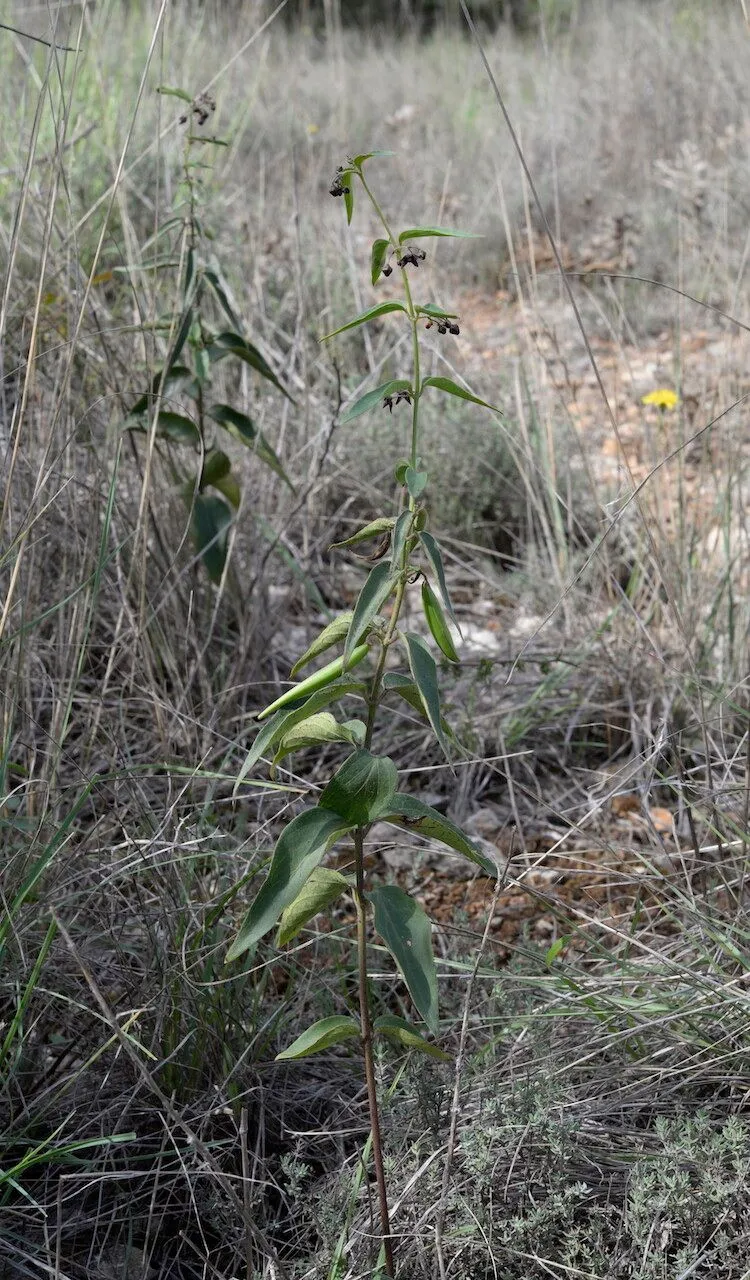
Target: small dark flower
(442, 328)
(429, 324)
(454, 329)
(388, 403)
(387, 269)
(404, 395)
(412, 258)
(337, 187)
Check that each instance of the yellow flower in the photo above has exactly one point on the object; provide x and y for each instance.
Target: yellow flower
(663, 398)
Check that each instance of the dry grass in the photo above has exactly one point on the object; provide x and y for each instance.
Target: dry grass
(127, 680)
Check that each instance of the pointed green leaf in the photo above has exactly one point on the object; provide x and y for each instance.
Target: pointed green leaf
(322, 727)
(452, 389)
(436, 313)
(171, 426)
(177, 379)
(299, 849)
(370, 155)
(405, 930)
(377, 258)
(243, 429)
(416, 481)
(373, 399)
(209, 524)
(181, 336)
(233, 344)
(403, 1033)
(349, 201)
(169, 92)
(404, 686)
(219, 287)
(323, 888)
(424, 671)
(432, 551)
(229, 486)
(400, 537)
(414, 815)
(375, 529)
(415, 233)
(437, 624)
(361, 789)
(333, 634)
(216, 466)
(556, 948)
(372, 313)
(372, 597)
(318, 680)
(321, 1035)
(274, 730)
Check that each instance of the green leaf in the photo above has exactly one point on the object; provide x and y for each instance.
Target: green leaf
(219, 287)
(453, 389)
(323, 887)
(176, 379)
(229, 486)
(424, 671)
(416, 481)
(404, 686)
(243, 429)
(361, 789)
(556, 948)
(412, 814)
(432, 551)
(215, 467)
(400, 470)
(326, 675)
(415, 233)
(322, 727)
(284, 720)
(372, 597)
(400, 538)
(299, 849)
(405, 930)
(372, 313)
(372, 399)
(377, 258)
(233, 344)
(333, 634)
(321, 1035)
(375, 529)
(181, 337)
(435, 312)
(370, 155)
(349, 201)
(189, 274)
(172, 426)
(403, 1033)
(169, 92)
(209, 524)
(437, 624)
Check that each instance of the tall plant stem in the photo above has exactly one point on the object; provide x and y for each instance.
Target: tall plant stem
(366, 1034)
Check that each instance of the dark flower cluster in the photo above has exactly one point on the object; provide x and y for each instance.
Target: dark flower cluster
(389, 401)
(444, 325)
(337, 187)
(203, 107)
(412, 258)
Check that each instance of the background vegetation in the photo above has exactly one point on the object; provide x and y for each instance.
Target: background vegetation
(601, 561)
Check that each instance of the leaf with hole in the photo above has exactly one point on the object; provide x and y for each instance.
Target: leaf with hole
(374, 399)
(361, 789)
(321, 1035)
(274, 730)
(334, 633)
(372, 597)
(373, 313)
(209, 525)
(406, 932)
(318, 680)
(437, 623)
(377, 258)
(233, 344)
(375, 529)
(432, 551)
(412, 814)
(401, 1032)
(317, 729)
(323, 888)
(299, 849)
(424, 671)
(242, 428)
(416, 233)
(452, 389)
